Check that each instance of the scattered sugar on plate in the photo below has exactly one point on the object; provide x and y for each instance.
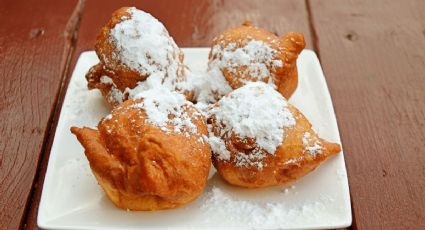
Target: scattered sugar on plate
(255, 111)
(79, 107)
(286, 190)
(218, 204)
(341, 174)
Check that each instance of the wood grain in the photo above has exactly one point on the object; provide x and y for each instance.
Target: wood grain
(373, 55)
(192, 23)
(34, 45)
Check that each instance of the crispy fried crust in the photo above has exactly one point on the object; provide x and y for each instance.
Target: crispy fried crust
(288, 48)
(290, 162)
(122, 76)
(139, 166)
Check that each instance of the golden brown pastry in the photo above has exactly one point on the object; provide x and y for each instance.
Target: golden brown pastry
(150, 153)
(134, 47)
(248, 53)
(258, 139)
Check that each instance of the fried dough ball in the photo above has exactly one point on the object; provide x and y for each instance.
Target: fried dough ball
(150, 153)
(248, 54)
(134, 47)
(258, 139)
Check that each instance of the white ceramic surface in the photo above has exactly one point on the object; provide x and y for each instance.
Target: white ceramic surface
(72, 199)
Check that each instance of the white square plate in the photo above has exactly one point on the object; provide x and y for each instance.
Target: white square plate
(72, 199)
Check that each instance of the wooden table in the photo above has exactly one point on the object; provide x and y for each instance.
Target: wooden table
(372, 53)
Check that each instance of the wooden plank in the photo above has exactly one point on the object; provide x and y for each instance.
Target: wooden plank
(34, 46)
(192, 23)
(373, 55)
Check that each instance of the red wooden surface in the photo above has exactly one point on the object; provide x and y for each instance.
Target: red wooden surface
(34, 48)
(372, 52)
(373, 55)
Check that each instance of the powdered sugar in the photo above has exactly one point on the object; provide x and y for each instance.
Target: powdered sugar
(211, 86)
(218, 146)
(256, 56)
(253, 159)
(294, 160)
(312, 146)
(252, 62)
(80, 108)
(164, 107)
(277, 64)
(255, 111)
(106, 80)
(108, 117)
(144, 45)
(221, 205)
(114, 95)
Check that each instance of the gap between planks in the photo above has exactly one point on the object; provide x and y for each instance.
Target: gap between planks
(70, 36)
(313, 33)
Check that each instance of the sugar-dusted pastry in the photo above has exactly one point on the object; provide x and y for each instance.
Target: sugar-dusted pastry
(149, 153)
(136, 52)
(248, 54)
(258, 139)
